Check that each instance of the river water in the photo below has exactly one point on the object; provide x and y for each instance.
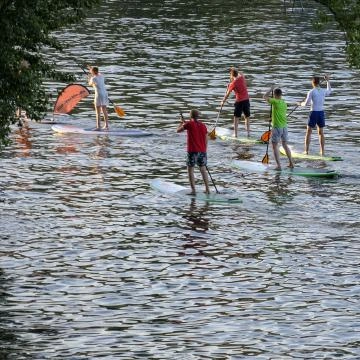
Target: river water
(96, 264)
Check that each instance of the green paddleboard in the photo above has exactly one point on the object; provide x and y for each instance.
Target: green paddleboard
(298, 171)
(170, 188)
(298, 155)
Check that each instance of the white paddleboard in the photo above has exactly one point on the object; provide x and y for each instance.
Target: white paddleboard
(228, 135)
(72, 129)
(299, 171)
(173, 189)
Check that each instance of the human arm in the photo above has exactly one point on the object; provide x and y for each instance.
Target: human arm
(181, 126)
(328, 86)
(307, 100)
(267, 96)
(227, 94)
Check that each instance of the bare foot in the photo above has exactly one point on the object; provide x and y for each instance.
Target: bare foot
(278, 168)
(207, 192)
(96, 129)
(191, 193)
(105, 128)
(291, 166)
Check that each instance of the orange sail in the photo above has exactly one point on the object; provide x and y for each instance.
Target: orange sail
(69, 97)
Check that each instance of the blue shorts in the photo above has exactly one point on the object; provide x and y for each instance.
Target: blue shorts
(242, 107)
(316, 118)
(199, 158)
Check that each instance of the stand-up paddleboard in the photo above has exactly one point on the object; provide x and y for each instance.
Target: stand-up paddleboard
(297, 155)
(298, 171)
(170, 188)
(71, 129)
(227, 135)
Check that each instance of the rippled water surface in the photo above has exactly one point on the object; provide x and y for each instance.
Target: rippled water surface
(96, 264)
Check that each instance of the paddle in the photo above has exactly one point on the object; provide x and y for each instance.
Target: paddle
(117, 108)
(265, 159)
(212, 180)
(212, 133)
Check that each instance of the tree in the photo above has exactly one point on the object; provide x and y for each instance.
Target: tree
(26, 29)
(347, 14)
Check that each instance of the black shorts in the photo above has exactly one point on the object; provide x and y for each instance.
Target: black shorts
(242, 107)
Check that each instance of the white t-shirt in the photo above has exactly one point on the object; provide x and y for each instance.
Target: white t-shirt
(101, 95)
(316, 97)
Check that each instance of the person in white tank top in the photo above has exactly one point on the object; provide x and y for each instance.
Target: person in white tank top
(101, 100)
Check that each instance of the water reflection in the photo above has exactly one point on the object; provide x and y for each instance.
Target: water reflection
(278, 191)
(94, 254)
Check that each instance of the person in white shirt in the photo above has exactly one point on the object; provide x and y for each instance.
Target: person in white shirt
(316, 98)
(101, 100)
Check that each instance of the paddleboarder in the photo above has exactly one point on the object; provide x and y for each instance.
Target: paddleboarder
(197, 138)
(242, 101)
(316, 98)
(279, 130)
(101, 100)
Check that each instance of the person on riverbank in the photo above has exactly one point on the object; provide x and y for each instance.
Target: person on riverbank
(197, 139)
(242, 100)
(279, 131)
(101, 100)
(316, 98)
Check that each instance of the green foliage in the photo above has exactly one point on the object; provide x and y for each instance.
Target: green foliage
(347, 14)
(26, 29)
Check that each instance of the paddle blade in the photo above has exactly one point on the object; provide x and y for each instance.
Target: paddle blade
(119, 110)
(265, 159)
(212, 134)
(265, 137)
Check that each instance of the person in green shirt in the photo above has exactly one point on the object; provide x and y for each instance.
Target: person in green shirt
(279, 130)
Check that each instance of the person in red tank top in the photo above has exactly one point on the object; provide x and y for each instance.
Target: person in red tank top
(242, 101)
(197, 137)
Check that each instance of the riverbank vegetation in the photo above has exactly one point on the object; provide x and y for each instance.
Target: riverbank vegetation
(26, 29)
(347, 15)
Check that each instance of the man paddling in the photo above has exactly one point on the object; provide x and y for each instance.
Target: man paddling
(242, 101)
(279, 130)
(316, 98)
(196, 148)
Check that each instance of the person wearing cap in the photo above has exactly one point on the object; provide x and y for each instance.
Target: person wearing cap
(316, 98)
(197, 139)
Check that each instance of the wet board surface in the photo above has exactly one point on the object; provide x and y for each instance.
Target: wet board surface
(299, 155)
(72, 129)
(227, 135)
(173, 189)
(299, 171)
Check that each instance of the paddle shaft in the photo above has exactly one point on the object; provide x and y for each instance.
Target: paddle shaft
(212, 180)
(266, 156)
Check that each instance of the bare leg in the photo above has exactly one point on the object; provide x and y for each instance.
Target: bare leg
(288, 153)
(205, 178)
(236, 126)
(191, 179)
(98, 116)
(106, 117)
(307, 139)
(276, 155)
(321, 141)
(247, 125)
